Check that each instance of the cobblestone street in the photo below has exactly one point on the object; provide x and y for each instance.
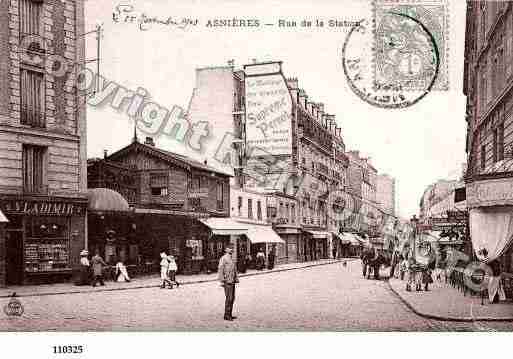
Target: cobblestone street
(329, 297)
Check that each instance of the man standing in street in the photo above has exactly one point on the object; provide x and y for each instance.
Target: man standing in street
(227, 274)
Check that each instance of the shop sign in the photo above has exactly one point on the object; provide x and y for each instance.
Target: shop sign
(455, 216)
(268, 110)
(43, 208)
(495, 192)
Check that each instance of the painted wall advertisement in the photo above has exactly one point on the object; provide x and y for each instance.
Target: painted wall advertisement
(268, 111)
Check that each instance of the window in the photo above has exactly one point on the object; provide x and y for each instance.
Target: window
(30, 17)
(500, 141)
(250, 208)
(34, 169)
(32, 98)
(220, 195)
(483, 157)
(159, 184)
(239, 206)
(293, 213)
(259, 210)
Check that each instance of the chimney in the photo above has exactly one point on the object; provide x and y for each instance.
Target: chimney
(293, 85)
(302, 98)
(149, 141)
(105, 154)
(320, 110)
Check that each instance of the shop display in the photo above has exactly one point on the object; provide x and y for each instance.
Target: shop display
(46, 257)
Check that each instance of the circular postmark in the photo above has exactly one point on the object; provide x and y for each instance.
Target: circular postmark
(14, 308)
(401, 50)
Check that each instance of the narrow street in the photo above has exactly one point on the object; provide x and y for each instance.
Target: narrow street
(330, 297)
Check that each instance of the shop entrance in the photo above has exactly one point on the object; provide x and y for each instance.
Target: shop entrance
(14, 257)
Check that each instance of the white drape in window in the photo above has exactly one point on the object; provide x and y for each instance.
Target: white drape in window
(491, 229)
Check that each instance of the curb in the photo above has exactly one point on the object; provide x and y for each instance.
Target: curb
(446, 318)
(199, 281)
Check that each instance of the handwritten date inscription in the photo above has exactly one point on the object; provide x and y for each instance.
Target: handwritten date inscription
(127, 14)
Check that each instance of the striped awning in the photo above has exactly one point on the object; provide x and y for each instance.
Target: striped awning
(106, 200)
(224, 226)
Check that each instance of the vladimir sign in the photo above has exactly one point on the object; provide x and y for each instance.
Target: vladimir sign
(494, 192)
(43, 208)
(268, 110)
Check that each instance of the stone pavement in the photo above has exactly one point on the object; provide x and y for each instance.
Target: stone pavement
(443, 302)
(144, 281)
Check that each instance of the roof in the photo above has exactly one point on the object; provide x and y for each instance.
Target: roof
(104, 199)
(175, 158)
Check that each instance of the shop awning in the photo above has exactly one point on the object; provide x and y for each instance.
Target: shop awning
(351, 238)
(491, 230)
(3, 219)
(319, 234)
(106, 200)
(341, 238)
(262, 234)
(224, 226)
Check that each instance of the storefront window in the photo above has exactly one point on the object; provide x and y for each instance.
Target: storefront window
(196, 248)
(47, 244)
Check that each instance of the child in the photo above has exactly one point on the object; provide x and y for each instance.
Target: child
(164, 268)
(172, 271)
(121, 272)
(426, 278)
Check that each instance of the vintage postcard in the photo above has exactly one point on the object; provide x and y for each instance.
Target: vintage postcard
(178, 166)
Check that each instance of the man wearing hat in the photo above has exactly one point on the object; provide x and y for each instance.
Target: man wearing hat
(227, 274)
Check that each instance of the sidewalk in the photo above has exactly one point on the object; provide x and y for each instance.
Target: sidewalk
(443, 302)
(145, 282)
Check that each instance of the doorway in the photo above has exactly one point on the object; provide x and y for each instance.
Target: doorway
(14, 257)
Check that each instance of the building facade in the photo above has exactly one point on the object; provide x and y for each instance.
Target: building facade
(488, 83)
(279, 143)
(170, 198)
(385, 194)
(42, 140)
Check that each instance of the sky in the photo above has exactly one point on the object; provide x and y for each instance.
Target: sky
(417, 145)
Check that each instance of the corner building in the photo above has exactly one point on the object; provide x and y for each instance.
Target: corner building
(42, 141)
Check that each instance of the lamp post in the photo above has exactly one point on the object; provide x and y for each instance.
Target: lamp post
(414, 221)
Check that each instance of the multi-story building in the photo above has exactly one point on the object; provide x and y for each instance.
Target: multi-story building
(385, 194)
(363, 188)
(488, 84)
(173, 199)
(438, 198)
(42, 139)
(286, 147)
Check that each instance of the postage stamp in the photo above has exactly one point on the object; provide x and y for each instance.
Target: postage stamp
(403, 34)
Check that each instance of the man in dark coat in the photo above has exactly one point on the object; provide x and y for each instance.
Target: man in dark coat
(270, 258)
(227, 275)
